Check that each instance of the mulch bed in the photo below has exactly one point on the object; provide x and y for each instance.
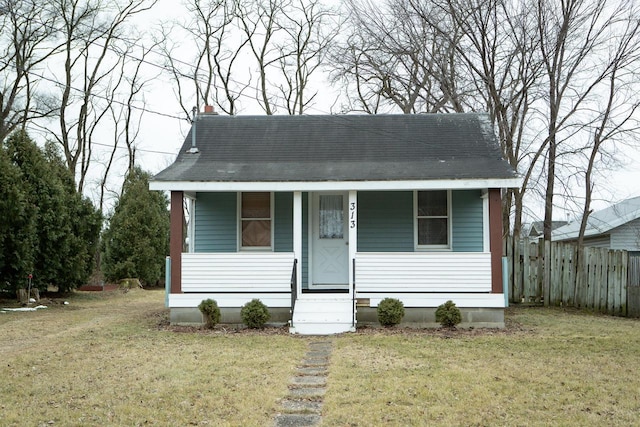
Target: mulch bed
(510, 328)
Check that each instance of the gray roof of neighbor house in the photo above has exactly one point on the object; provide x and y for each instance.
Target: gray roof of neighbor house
(340, 148)
(537, 227)
(602, 221)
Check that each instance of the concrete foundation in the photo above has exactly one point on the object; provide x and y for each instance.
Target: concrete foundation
(414, 317)
(183, 316)
(419, 317)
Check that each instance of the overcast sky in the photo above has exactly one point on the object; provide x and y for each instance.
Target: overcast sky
(161, 136)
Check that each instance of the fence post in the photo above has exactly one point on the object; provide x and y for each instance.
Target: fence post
(517, 270)
(546, 281)
(624, 258)
(526, 270)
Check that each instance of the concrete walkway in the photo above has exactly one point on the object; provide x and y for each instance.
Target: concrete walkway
(303, 404)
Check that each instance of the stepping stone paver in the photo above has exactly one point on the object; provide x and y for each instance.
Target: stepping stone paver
(310, 381)
(297, 420)
(319, 370)
(303, 404)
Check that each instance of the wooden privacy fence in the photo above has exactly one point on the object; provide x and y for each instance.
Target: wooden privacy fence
(633, 291)
(549, 272)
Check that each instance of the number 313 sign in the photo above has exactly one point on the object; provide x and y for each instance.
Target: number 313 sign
(352, 215)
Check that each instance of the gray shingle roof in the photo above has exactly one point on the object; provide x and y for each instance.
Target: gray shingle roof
(340, 148)
(602, 221)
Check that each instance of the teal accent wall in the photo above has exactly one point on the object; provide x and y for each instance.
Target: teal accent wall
(385, 221)
(283, 222)
(216, 223)
(467, 229)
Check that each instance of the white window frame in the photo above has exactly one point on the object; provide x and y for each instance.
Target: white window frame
(418, 247)
(239, 218)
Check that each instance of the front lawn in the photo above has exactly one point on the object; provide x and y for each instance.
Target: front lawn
(109, 359)
(551, 367)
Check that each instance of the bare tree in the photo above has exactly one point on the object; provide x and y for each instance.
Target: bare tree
(210, 72)
(124, 117)
(496, 41)
(616, 122)
(311, 29)
(394, 56)
(259, 22)
(90, 31)
(27, 40)
(574, 46)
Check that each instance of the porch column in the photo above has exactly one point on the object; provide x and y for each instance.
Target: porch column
(297, 236)
(175, 241)
(495, 236)
(352, 220)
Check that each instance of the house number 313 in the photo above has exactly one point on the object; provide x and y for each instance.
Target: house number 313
(352, 215)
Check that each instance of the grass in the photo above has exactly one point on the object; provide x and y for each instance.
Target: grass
(560, 368)
(103, 360)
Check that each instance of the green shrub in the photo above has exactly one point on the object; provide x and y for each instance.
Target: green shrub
(211, 312)
(255, 314)
(448, 315)
(390, 311)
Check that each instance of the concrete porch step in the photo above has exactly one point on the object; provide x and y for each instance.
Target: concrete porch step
(322, 316)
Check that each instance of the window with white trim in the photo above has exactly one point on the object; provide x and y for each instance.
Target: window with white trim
(255, 220)
(433, 219)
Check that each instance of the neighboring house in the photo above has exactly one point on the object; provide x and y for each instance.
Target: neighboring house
(537, 228)
(311, 213)
(616, 227)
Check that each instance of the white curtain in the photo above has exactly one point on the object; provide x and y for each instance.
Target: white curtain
(331, 217)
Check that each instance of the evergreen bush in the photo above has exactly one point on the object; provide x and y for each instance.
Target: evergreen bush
(136, 240)
(448, 314)
(211, 312)
(390, 311)
(255, 314)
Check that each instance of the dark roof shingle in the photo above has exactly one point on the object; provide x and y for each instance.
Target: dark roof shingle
(340, 148)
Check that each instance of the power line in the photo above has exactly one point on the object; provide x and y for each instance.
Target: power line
(166, 68)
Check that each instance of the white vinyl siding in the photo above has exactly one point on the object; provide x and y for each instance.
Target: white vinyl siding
(230, 300)
(627, 236)
(462, 300)
(237, 272)
(603, 241)
(423, 272)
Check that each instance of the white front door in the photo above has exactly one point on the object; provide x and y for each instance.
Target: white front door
(329, 241)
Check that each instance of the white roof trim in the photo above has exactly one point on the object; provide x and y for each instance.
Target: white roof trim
(450, 184)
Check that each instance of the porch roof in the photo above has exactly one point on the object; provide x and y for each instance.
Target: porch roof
(338, 149)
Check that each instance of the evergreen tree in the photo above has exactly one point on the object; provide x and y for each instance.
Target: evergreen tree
(65, 227)
(83, 231)
(17, 227)
(136, 241)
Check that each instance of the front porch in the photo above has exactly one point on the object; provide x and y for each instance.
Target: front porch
(422, 281)
(316, 258)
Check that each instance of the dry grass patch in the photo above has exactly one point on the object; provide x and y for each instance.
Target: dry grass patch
(558, 367)
(103, 360)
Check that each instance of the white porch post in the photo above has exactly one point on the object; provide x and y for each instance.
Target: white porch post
(353, 234)
(191, 235)
(485, 221)
(297, 237)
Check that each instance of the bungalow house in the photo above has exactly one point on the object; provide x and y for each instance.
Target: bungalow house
(616, 227)
(322, 217)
